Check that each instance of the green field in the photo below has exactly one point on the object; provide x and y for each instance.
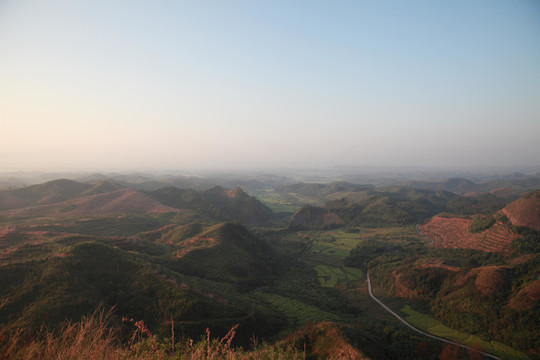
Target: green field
(330, 276)
(507, 351)
(281, 204)
(335, 243)
(296, 310)
(340, 243)
(427, 323)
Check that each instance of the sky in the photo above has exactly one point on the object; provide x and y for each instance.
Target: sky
(149, 85)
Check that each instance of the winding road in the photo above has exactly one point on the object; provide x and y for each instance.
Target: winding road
(418, 330)
(424, 235)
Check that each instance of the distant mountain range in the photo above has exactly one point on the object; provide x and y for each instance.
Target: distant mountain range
(510, 187)
(381, 207)
(363, 205)
(105, 197)
(460, 182)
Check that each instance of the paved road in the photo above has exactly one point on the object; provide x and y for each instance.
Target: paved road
(418, 330)
(424, 235)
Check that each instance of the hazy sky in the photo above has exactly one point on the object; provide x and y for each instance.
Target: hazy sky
(196, 84)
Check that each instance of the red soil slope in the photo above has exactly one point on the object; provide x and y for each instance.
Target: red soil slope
(525, 211)
(233, 193)
(454, 233)
(195, 243)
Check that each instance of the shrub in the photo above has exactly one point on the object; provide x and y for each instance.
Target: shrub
(480, 224)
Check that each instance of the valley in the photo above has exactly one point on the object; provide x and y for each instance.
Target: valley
(298, 266)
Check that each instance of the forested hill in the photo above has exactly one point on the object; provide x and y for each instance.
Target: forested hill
(382, 207)
(64, 197)
(216, 203)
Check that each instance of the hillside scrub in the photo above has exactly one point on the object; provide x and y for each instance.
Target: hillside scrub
(481, 223)
(482, 204)
(464, 288)
(529, 244)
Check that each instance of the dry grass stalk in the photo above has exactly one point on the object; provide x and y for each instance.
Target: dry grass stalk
(88, 339)
(92, 339)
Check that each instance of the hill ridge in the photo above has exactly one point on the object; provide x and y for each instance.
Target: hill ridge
(525, 211)
(216, 203)
(120, 201)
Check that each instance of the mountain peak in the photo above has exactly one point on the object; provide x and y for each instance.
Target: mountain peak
(234, 193)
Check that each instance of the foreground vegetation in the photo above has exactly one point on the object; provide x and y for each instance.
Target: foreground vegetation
(92, 338)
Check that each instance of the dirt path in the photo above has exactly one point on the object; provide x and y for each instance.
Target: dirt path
(418, 330)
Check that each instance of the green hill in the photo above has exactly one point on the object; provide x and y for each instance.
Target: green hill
(93, 274)
(238, 205)
(65, 197)
(513, 185)
(318, 191)
(187, 199)
(123, 201)
(225, 252)
(52, 192)
(47, 193)
(498, 301)
(100, 187)
(385, 207)
(216, 204)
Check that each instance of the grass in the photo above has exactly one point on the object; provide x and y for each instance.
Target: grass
(92, 338)
(509, 352)
(88, 339)
(448, 333)
(427, 323)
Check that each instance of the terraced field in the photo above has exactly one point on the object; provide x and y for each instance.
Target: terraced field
(454, 233)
